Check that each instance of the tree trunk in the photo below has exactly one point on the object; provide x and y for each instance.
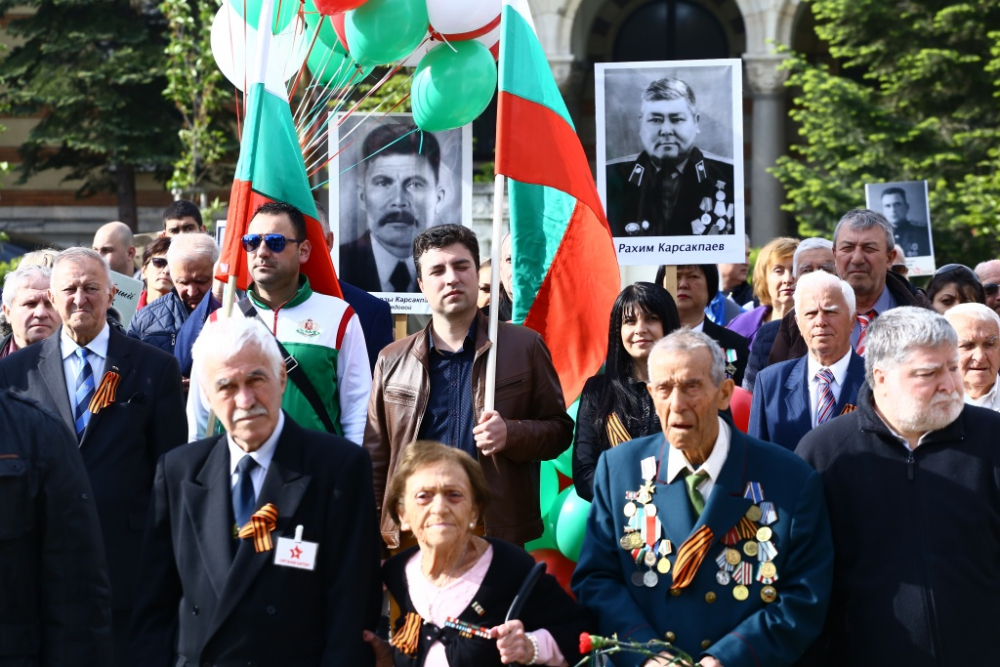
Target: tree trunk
(125, 189)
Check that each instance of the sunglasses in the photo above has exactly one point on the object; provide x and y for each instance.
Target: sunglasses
(158, 262)
(274, 242)
(991, 289)
(957, 269)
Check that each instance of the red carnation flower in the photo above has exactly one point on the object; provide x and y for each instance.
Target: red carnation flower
(586, 645)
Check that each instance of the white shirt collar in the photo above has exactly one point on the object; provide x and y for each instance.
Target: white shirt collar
(700, 327)
(838, 368)
(263, 454)
(677, 462)
(387, 262)
(98, 346)
(987, 400)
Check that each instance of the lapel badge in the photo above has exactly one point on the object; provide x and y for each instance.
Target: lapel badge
(699, 169)
(105, 394)
(637, 173)
(308, 328)
(848, 408)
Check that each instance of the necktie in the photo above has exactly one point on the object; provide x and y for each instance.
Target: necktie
(84, 391)
(692, 481)
(864, 320)
(668, 184)
(824, 402)
(400, 278)
(243, 496)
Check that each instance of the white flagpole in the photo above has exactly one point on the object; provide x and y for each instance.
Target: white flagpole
(491, 357)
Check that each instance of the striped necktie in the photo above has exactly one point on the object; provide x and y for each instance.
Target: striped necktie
(824, 402)
(864, 320)
(84, 391)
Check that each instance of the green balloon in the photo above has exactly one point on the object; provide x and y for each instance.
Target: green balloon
(384, 31)
(333, 69)
(571, 527)
(546, 541)
(284, 12)
(548, 486)
(454, 83)
(564, 462)
(327, 35)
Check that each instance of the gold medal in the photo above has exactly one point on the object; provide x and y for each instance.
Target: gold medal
(754, 513)
(768, 594)
(764, 534)
(733, 557)
(741, 592)
(750, 549)
(630, 509)
(634, 540)
(623, 542)
(663, 566)
(768, 570)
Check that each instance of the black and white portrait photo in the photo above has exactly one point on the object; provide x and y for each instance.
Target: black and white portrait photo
(389, 182)
(670, 156)
(905, 206)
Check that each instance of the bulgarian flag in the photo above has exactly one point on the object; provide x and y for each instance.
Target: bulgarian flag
(565, 270)
(271, 168)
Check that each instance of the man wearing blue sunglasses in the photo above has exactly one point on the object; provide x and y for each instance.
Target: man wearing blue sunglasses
(326, 357)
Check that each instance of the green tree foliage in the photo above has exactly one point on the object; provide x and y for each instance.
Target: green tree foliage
(94, 70)
(914, 96)
(199, 91)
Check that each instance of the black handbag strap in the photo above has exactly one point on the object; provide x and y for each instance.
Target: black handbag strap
(294, 371)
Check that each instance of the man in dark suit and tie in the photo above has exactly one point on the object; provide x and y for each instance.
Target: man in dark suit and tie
(701, 536)
(261, 546)
(793, 397)
(122, 398)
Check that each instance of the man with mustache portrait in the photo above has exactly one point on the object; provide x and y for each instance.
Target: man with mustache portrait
(401, 195)
(910, 479)
(671, 188)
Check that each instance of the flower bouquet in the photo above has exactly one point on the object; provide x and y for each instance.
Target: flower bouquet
(594, 646)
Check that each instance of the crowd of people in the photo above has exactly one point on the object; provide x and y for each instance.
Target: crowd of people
(793, 472)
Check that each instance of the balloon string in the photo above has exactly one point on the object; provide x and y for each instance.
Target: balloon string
(316, 166)
(378, 151)
(291, 93)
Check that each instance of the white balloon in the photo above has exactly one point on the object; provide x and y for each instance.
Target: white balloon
(454, 17)
(234, 45)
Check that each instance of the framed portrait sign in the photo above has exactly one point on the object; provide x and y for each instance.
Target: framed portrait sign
(670, 160)
(906, 207)
(389, 181)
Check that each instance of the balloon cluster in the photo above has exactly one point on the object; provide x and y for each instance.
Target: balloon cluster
(564, 514)
(452, 43)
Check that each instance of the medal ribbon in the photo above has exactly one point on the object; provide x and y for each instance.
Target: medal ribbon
(406, 638)
(754, 492)
(746, 529)
(259, 528)
(690, 557)
(105, 394)
(768, 514)
(766, 551)
(731, 537)
(743, 574)
(723, 563)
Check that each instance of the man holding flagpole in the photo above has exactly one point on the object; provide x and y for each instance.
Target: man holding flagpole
(432, 386)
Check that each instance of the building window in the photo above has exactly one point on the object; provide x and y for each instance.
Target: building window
(670, 30)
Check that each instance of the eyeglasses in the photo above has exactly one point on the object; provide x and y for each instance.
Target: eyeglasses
(274, 242)
(158, 262)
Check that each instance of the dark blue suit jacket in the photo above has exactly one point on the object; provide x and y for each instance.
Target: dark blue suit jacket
(781, 411)
(739, 634)
(375, 318)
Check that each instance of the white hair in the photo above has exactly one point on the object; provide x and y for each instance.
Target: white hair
(818, 280)
(685, 340)
(17, 279)
(895, 334)
(976, 312)
(77, 255)
(230, 337)
(805, 245)
(185, 248)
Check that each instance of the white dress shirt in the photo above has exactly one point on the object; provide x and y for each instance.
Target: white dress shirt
(839, 370)
(990, 399)
(71, 362)
(677, 462)
(387, 262)
(262, 455)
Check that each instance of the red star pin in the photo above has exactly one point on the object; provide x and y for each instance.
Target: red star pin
(296, 552)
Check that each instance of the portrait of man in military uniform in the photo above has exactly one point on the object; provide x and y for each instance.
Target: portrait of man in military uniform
(672, 187)
(905, 207)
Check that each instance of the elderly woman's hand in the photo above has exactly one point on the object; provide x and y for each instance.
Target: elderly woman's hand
(382, 650)
(514, 645)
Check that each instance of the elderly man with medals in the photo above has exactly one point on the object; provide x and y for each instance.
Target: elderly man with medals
(713, 541)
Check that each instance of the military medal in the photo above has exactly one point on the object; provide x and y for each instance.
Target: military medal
(722, 577)
(768, 513)
(750, 549)
(733, 557)
(663, 565)
(766, 551)
(650, 558)
(731, 537)
(637, 578)
(650, 579)
(768, 594)
(764, 534)
(730, 362)
(753, 492)
(722, 561)
(754, 513)
(630, 509)
(741, 593)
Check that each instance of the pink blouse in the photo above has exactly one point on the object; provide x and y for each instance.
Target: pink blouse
(437, 604)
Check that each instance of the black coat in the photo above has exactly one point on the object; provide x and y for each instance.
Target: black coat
(730, 340)
(759, 352)
(122, 442)
(548, 607)
(591, 441)
(201, 604)
(916, 537)
(55, 599)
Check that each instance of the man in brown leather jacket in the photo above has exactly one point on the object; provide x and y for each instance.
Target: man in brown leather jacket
(431, 386)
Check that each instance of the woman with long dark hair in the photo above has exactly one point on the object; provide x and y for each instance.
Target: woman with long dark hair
(615, 407)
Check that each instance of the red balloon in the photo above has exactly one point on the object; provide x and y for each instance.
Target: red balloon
(331, 7)
(337, 20)
(557, 565)
(739, 405)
